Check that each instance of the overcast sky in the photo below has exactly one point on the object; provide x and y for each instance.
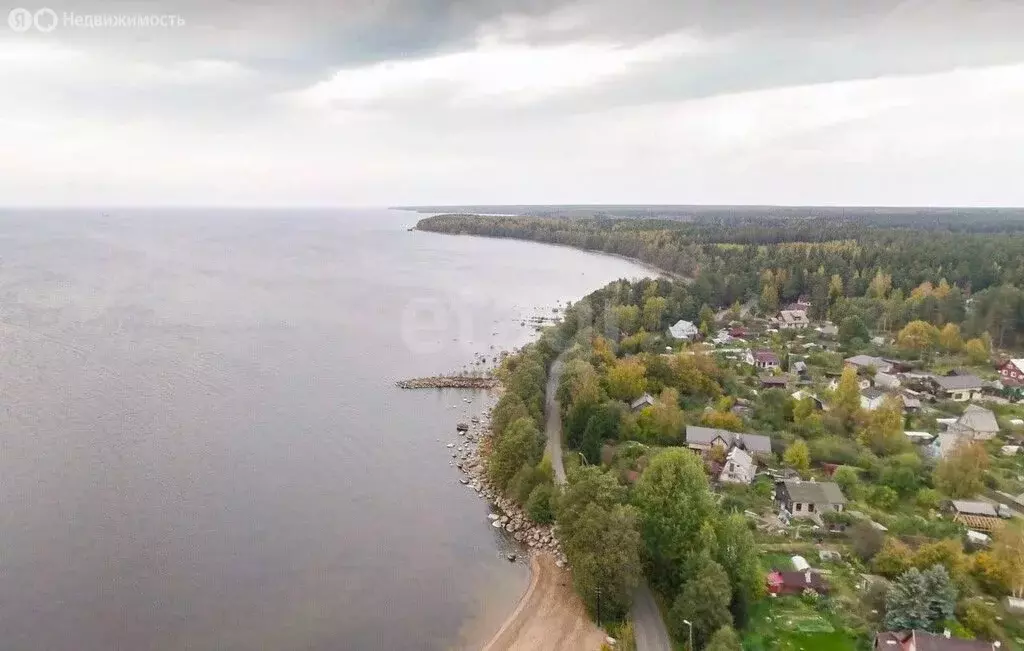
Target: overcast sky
(384, 102)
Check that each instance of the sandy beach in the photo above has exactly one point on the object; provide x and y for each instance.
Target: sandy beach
(549, 617)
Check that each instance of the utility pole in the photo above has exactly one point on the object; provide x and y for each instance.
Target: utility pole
(598, 606)
(689, 625)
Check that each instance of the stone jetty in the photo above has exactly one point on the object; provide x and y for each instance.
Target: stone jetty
(450, 382)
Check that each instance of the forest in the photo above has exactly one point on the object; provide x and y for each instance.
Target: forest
(885, 269)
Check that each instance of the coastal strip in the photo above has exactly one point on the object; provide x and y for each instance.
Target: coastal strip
(450, 382)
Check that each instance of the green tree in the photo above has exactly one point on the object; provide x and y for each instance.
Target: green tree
(976, 351)
(626, 318)
(604, 551)
(654, 310)
(704, 601)
(538, 505)
(961, 473)
(520, 445)
(770, 298)
(848, 480)
(906, 604)
(852, 329)
(940, 595)
(626, 379)
(725, 639)
(663, 421)
(707, 318)
(736, 551)
(586, 484)
(675, 505)
(603, 425)
(798, 456)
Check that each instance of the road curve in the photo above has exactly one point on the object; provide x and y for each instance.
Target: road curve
(553, 423)
(648, 627)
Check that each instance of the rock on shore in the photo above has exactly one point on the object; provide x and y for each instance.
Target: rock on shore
(508, 515)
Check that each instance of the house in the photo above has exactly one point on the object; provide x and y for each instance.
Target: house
(793, 320)
(976, 422)
(684, 330)
(739, 467)
(795, 583)
(980, 516)
(774, 382)
(807, 498)
(925, 641)
(801, 394)
(871, 398)
(1012, 371)
(910, 402)
(763, 359)
(887, 380)
(800, 367)
(959, 388)
(704, 438)
(645, 400)
(864, 362)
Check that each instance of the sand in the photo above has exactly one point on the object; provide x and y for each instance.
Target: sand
(549, 617)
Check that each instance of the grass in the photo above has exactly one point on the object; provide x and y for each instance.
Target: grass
(789, 624)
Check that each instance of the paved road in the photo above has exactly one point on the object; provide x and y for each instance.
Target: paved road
(648, 628)
(553, 426)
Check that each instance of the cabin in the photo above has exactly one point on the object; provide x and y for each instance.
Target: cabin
(793, 320)
(1012, 371)
(980, 516)
(795, 583)
(684, 330)
(702, 439)
(871, 398)
(763, 359)
(739, 467)
(645, 400)
(977, 423)
(864, 362)
(805, 499)
(959, 388)
(774, 382)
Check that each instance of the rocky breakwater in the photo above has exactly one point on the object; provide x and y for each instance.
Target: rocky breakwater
(507, 514)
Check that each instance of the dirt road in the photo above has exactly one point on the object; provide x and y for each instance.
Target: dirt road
(550, 617)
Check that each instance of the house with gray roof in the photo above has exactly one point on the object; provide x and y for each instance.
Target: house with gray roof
(871, 398)
(684, 330)
(976, 422)
(703, 439)
(645, 400)
(807, 499)
(739, 467)
(959, 388)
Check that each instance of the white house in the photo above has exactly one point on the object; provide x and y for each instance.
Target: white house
(959, 388)
(793, 320)
(871, 398)
(684, 330)
(739, 467)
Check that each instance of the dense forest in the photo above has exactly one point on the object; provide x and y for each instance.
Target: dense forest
(885, 269)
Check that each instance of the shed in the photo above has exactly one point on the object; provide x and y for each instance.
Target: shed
(800, 563)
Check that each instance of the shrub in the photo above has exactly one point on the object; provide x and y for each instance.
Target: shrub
(538, 506)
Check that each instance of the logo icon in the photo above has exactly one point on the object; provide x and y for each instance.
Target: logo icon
(45, 20)
(20, 19)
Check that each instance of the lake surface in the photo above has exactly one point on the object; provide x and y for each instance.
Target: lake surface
(201, 446)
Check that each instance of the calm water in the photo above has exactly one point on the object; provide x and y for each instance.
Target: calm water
(200, 443)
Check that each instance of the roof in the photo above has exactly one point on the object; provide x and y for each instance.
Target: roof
(924, 641)
(978, 419)
(793, 316)
(814, 492)
(971, 507)
(739, 456)
(871, 393)
(683, 329)
(867, 360)
(801, 580)
(706, 435)
(772, 380)
(957, 382)
(766, 356)
(800, 366)
(1019, 363)
(646, 399)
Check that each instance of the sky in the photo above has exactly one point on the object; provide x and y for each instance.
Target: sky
(396, 102)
